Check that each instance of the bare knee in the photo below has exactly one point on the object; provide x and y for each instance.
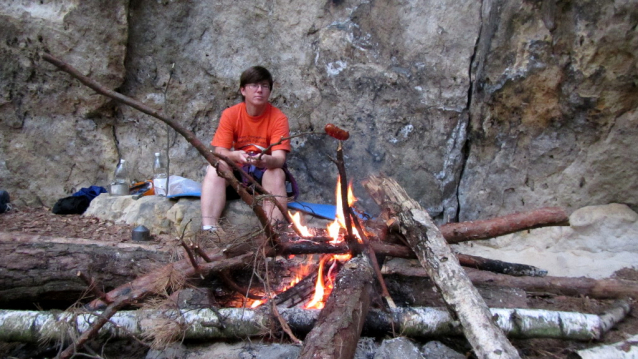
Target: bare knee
(274, 176)
(211, 172)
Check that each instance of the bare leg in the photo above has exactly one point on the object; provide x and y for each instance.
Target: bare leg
(213, 197)
(274, 181)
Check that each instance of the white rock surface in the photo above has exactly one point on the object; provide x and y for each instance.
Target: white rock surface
(599, 241)
(162, 215)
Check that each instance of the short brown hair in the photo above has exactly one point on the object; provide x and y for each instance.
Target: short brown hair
(254, 75)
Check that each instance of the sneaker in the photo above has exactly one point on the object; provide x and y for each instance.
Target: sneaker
(216, 230)
(4, 201)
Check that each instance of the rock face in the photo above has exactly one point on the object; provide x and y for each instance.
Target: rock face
(476, 108)
(553, 107)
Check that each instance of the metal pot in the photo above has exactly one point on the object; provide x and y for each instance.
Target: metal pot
(141, 233)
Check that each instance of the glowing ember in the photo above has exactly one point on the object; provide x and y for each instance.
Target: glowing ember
(257, 303)
(296, 221)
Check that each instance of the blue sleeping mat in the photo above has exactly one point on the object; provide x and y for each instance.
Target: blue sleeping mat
(326, 211)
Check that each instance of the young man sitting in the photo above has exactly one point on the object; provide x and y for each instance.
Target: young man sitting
(244, 131)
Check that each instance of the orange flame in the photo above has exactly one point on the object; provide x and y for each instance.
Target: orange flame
(296, 221)
(340, 222)
(333, 229)
(317, 299)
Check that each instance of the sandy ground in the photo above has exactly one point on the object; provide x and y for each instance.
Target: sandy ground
(599, 241)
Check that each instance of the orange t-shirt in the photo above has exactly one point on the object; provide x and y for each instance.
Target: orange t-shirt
(241, 131)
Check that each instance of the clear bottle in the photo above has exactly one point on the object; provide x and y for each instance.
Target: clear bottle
(121, 181)
(160, 175)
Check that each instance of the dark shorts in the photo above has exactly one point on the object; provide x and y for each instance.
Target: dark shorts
(257, 173)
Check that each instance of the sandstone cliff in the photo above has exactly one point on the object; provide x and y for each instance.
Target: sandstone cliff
(477, 108)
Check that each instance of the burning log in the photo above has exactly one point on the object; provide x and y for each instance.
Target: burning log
(425, 239)
(31, 326)
(338, 328)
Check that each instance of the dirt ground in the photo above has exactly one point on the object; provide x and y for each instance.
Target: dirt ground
(40, 221)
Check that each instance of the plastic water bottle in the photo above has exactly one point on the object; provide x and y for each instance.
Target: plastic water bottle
(121, 182)
(160, 175)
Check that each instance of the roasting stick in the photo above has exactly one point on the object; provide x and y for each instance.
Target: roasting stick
(349, 216)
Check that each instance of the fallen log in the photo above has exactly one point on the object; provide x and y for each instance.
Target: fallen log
(338, 328)
(41, 268)
(499, 226)
(29, 326)
(626, 349)
(573, 287)
(425, 239)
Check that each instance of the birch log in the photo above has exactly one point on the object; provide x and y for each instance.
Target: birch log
(626, 349)
(425, 239)
(29, 326)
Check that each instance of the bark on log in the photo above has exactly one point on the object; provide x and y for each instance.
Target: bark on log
(339, 325)
(573, 287)
(490, 228)
(425, 239)
(626, 349)
(37, 268)
(206, 324)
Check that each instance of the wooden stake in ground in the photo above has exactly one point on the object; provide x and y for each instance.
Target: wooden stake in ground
(338, 328)
(425, 239)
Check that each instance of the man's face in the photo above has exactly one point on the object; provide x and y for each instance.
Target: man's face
(256, 93)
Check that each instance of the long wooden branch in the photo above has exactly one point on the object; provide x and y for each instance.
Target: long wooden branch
(573, 287)
(206, 152)
(307, 246)
(499, 226)
(425, 239)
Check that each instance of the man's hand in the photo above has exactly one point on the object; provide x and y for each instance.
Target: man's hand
(274, 160)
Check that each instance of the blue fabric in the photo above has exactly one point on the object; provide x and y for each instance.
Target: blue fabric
(90, 192)
(326, 211)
